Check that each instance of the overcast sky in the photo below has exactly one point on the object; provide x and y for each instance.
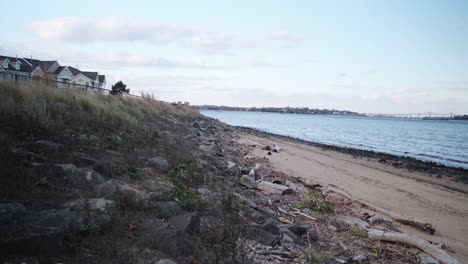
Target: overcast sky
(368, 56)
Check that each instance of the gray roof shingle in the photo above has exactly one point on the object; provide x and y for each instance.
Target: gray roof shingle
(91, 75)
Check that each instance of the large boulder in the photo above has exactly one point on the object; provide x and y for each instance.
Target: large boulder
(93, 214)
(161, 199)
(65, 175)
(248, 181)
(32, 233)
(268, 234)
(174, 237)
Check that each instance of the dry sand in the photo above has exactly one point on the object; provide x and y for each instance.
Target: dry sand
(410, 194)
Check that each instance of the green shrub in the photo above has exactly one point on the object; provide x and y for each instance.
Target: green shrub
(315, 257)
(185, 177)
(313, 202)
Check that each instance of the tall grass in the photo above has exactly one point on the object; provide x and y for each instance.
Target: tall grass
(35, 109)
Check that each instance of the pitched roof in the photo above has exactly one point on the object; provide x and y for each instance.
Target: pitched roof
(73, 70)
(59, 69)
(102, 78)
(91, 75)
(24, 67)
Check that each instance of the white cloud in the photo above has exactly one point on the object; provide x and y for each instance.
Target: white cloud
(121, 29)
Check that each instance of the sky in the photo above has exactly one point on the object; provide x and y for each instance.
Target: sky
(368, 56)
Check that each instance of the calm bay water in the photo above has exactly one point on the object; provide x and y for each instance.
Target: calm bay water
(443, 142)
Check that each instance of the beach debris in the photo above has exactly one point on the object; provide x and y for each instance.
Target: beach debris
(304, 215)
(415, 241)
(299, 188)
(426, 227)
(353, 221)
(276, 148)
(266, 148)
(273, 188)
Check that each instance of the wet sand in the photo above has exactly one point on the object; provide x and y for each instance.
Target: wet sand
(439, 200)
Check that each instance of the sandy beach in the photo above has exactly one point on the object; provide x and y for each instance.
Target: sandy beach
(439, 200)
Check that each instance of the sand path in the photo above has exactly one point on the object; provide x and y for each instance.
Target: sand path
(387, 187)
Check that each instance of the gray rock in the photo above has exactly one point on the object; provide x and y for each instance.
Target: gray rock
(159, 162)
(288, 235)
(98, 205)
(233, 169)
(82, 178)
(245, 201)
(248, 181)
(313, 234)
(95, 213)
(298, 230)
(31, 233)
(167, 209)
(156, 197)
(103, 221)
(122, 192)
(268, 234)
(174, 238)
(166, 261)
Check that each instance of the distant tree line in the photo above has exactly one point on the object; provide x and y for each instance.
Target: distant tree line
(460, 117)
(286, 110)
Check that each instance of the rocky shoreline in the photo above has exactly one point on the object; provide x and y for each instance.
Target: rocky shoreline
(401, 162)
(163, 184)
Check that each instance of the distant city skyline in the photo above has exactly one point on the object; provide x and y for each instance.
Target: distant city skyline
(363, 56)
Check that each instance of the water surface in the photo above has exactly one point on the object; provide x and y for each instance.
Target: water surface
(444, 142)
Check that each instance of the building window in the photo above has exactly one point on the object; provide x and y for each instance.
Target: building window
(18, 65)
(5, 63)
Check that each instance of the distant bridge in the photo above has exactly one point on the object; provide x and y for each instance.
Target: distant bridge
(414, 115)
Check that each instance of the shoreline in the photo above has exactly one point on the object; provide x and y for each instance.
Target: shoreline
(416, 194)
(434, 169)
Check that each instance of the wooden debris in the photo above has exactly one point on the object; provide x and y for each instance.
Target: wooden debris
(284, 220)
(276, 252)
(284, 211)
(272, 188)
(414, 241)
(305, 215)
(426, 227)
(296, 187)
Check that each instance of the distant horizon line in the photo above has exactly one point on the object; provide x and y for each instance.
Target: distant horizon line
(332, 109)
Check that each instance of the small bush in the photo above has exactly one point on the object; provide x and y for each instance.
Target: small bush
(185, 177)
(313, 202)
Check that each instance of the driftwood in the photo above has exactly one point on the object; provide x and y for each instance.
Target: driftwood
(308, 184)
(273, 188)
(299, 188)
(305, 215)
(276, 252)
(415, 241)
(426, 227)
